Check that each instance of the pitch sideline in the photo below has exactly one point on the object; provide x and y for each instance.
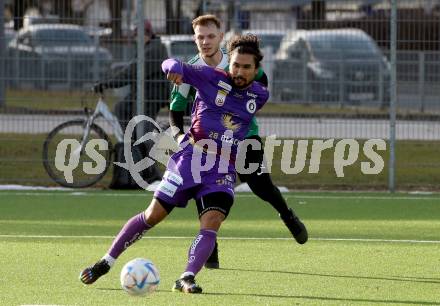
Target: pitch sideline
(225, 238)
(239, 195)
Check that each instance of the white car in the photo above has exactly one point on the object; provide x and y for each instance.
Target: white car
(181, 47)
(49, 54)
(343, 66)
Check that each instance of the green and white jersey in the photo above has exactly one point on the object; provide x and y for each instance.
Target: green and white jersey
(182, 94)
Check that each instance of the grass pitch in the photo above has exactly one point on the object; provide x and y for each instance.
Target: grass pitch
(365, 249)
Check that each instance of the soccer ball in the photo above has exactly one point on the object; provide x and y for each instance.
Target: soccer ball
(139, 277)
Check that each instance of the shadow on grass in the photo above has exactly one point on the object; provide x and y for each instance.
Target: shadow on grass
(318, 298)
(392, 278)
(421, 279)
(305, 297)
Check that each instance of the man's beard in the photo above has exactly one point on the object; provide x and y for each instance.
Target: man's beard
(245, 84)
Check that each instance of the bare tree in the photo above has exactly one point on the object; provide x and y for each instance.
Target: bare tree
(318, 12)
(20, 7)
(64, 10)
(115, 9)
(173, 10)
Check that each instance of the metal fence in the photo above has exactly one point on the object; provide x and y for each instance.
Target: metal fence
(329, 65)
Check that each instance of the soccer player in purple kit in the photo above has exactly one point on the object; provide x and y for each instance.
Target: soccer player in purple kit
(208, 37)
(224, 107)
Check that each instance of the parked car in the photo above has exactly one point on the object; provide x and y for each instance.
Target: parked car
(33, 16)
(180, 46)
(343, 66)
(46, 55)
(268, 38)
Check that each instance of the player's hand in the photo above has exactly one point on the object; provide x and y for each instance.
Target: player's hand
(98, 88)
(175, 78)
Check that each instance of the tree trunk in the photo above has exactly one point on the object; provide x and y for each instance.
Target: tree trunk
(64, 10)
(115, 9)
(169, 8)
(20, 7)
(318, 13)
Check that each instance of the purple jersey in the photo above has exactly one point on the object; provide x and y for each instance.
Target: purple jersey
(218, 106)
(221, 114)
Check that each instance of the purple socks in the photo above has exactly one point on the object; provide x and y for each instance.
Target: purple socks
(200, 250)
(132, 231)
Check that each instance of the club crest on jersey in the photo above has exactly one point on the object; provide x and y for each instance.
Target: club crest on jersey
(251, 106)
(221, 97)
(222, 93)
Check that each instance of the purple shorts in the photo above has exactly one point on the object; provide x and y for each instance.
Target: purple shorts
(184, 180)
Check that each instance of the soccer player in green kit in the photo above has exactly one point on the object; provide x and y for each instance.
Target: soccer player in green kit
(208, 36)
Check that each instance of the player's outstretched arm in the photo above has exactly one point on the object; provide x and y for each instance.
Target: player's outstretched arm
(194, 75)
(174, 70)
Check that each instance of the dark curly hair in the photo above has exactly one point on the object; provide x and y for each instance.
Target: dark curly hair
(246, 44)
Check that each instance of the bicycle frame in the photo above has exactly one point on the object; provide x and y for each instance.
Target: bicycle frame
(101, 110)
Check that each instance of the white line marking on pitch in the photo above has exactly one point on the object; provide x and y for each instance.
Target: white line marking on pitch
(145, 195)
(225, 238)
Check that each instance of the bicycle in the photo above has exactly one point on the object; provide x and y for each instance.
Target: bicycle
(84, 137)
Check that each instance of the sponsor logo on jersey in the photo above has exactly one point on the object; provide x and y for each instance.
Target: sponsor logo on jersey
(251, 106)
(226, 181)
(224, 85)
(229, 123)
(173, 177)
(167, 188)
(229, 139)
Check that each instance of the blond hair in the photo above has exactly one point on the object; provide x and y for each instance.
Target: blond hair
(205, 20)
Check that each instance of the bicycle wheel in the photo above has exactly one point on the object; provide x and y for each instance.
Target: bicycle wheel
(70, 165)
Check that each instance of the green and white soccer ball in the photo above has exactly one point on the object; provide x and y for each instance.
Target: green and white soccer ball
(139, 277)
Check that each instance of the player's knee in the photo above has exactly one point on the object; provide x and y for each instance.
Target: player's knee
(155, 213)
(262, 186)
(211, 220)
